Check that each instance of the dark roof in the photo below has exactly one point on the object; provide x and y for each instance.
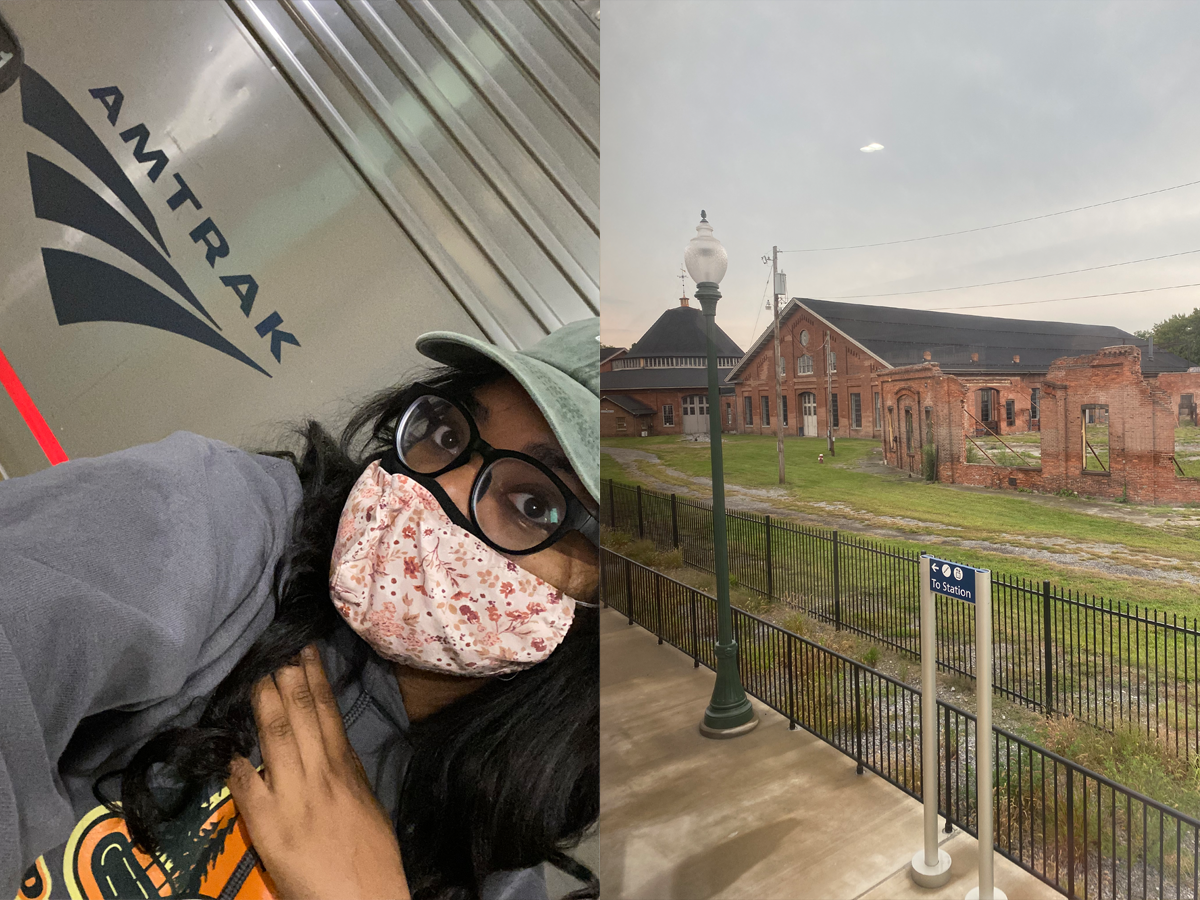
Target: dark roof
(680, 332)
(631, 405)
(651, 379)
(900, 337)
(607, 353)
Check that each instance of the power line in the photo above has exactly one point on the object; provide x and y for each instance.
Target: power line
(760, 309)
(963, 287)
(930, 237)
(1173, 287)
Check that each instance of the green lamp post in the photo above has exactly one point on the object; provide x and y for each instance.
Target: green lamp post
(729, 712)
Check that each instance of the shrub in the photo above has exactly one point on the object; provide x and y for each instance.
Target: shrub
(929, 463)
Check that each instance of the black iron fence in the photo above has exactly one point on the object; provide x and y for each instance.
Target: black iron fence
(1055, 650)
(1078, 831)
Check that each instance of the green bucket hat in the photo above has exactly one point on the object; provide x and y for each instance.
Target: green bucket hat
(561, 372)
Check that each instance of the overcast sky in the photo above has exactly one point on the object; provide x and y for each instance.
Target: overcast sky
(988, 112)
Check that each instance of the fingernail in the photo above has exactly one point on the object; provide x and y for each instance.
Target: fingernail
(310, 652)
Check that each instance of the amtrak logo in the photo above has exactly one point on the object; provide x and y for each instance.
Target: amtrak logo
(84, 289)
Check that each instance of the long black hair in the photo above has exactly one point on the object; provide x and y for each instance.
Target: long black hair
(504, 778)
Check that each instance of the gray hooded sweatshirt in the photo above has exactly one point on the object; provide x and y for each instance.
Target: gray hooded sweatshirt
(130, 585)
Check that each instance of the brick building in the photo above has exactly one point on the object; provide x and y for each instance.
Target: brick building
(835, 354)
(830, 376)
(1106, 428)
(608, 355)
(660, 384)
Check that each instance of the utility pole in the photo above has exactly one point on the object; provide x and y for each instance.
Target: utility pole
(776, 277)
(828, 395)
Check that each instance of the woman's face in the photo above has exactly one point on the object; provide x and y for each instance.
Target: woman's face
(508, 419)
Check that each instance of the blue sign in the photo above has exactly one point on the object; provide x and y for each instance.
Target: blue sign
(953, 579)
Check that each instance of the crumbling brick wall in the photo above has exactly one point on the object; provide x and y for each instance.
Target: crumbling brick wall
(1141, 428)
(1183, 388)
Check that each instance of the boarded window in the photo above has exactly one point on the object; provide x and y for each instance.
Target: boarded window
(620, 423)
(878, 412)
(749, 411)
(834, 409)
(766, 412)
(1035, 402)
(928, 425)
(908, 430)
(856, 410)
(1010, 413)
(669, 415)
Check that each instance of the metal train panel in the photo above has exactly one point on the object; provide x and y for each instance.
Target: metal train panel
(226, 216)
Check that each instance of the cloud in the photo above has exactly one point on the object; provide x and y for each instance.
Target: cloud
(1000, 113)
(871, 148)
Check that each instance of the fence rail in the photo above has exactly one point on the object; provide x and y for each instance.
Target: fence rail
(1055, 650)
(1076, 830)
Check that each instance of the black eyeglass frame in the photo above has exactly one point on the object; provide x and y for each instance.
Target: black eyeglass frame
(578, 518)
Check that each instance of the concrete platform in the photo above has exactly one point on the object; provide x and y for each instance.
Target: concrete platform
(772, 814)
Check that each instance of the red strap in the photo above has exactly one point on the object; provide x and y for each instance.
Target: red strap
(29, 412)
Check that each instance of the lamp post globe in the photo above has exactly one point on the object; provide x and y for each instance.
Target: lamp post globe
(705, 258)
(729, 712)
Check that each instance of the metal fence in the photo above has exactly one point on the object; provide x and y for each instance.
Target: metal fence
(1078, 831)
(1055, 650)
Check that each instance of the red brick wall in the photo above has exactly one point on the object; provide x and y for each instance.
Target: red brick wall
(611, 414)
(1141, 428)
(656, 400)
(1175, 385)
(1015, 388)
(856, 373)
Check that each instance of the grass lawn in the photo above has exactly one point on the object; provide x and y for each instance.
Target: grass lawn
(1096, 448)
(611, 469)
(1009, 450)
(1187, 450)
(1128, 756)
(1009, 518)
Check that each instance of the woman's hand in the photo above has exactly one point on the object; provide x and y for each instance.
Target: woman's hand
(312, 817)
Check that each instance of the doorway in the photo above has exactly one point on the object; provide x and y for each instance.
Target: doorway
(808, 412)
(695, 414)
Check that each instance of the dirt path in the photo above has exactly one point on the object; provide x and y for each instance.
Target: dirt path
(1107, 559)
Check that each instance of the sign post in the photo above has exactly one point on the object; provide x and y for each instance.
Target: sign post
(931, 864)
(987, 889)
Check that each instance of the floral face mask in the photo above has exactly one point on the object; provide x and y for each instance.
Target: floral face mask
(425, 592)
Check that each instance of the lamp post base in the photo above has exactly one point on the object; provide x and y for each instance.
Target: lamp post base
(997, 894)
(721, 733)
(930, 876)
(729, 711)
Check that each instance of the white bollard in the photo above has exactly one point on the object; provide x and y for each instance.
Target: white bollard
(987, 889)
(931, 864)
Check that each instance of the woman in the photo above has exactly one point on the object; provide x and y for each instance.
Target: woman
(160, 599)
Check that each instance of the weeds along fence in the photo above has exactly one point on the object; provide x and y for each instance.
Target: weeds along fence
(1056, 650)
(1080, 832)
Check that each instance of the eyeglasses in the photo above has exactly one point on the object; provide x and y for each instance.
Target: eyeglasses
(517, 504)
